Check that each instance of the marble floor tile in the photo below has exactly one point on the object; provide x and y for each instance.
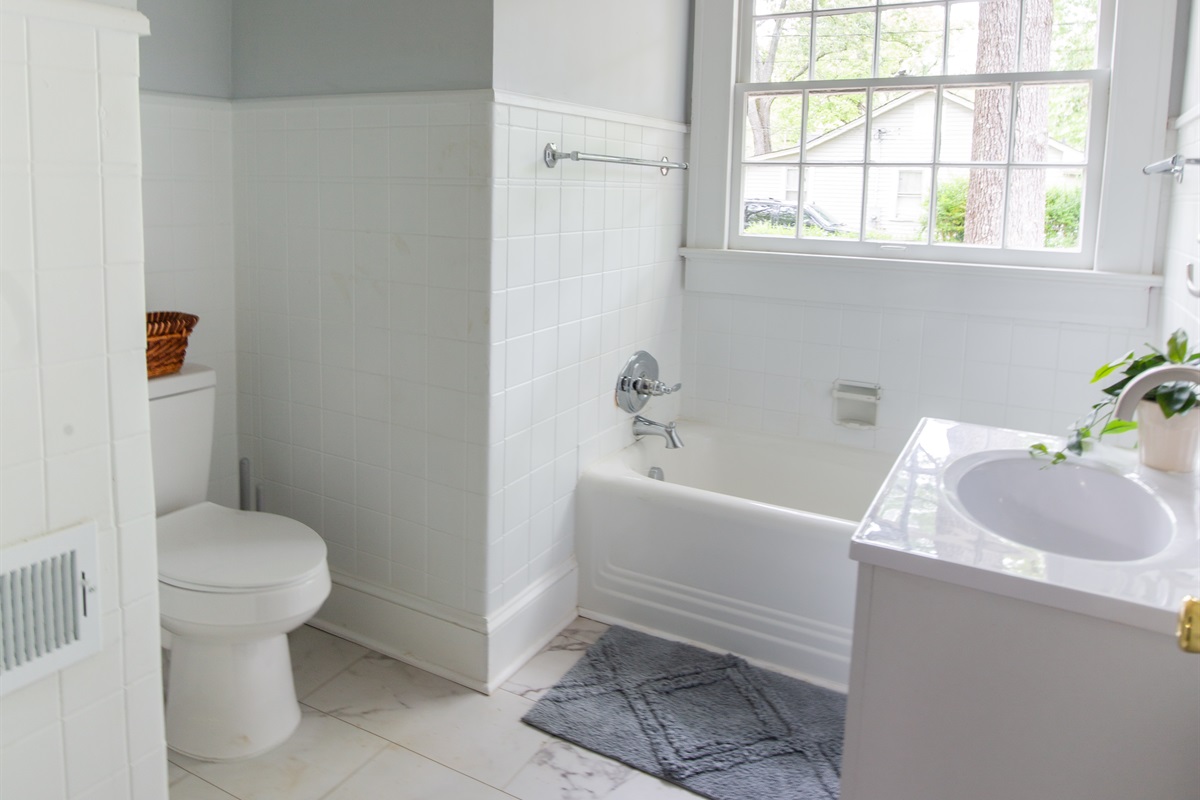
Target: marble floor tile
(317, 656)
(399, 774)
(322, 753)
(189, 787)
(647, 787)
(562, 771)
(175, 773)
(546, 668)
(476, 734)
(584, 630)
(376, 728)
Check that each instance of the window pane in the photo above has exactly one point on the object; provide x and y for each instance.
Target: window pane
(773, 124)
(780, 49)
(975, 123)
(902, 124)
(845, 46)
(898, 203)
(983, 42)
(835, 129)
(970, 207)
(1052, 123)
(994, 164)
(769, 195)
(1059, 34)
(823, 4)
(910, 41)
(1044, 208)
(832, 202)
(1076, 26)
(780, 6)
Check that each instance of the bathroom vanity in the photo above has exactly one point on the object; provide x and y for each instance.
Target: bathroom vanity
(987, 669)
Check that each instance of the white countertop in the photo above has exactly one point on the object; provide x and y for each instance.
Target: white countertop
(911, 527)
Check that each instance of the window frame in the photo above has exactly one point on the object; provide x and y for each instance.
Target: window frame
(1139, 63)
(1092, 168)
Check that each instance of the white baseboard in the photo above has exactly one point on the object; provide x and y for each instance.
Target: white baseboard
(478, 652)
(388, 626)
(527, 624)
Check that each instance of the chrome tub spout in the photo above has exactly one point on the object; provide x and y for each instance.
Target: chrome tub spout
(648, 427)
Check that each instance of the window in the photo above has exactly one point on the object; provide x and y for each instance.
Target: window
(953, 130)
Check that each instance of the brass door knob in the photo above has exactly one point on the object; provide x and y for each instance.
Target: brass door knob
(1189, 625)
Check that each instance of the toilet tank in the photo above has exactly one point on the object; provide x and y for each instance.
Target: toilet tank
(181, 436)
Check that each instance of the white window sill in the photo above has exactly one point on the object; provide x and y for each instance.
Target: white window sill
(1035, 293)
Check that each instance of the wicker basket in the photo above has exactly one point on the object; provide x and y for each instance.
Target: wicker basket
(166, 341)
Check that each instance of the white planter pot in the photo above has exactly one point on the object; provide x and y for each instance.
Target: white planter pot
(1167, 444)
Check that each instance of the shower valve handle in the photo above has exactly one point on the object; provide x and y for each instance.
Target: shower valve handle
(653, 387)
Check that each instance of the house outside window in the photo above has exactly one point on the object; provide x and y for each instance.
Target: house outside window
(956, 130)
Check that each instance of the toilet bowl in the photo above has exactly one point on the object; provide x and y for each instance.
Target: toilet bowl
(232, 584)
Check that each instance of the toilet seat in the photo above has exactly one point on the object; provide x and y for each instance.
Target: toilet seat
(241, 615)
(210, 548)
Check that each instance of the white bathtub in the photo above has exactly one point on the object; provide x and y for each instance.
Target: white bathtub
(743, 547)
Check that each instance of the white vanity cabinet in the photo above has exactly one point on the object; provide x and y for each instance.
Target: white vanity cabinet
(982, 669)
(961, 694)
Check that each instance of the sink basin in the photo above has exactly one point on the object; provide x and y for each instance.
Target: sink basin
(1070, 508)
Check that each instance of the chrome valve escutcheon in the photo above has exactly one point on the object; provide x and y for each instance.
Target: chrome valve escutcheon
(638, 382)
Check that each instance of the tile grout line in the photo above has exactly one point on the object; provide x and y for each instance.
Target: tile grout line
(390, 743)
(323, 683)
(197, 777)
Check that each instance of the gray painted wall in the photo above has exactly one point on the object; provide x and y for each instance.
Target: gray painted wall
(286, 48)
(623, 55)
(190, 47)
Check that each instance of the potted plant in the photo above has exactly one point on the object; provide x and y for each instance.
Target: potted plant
(1167, 433)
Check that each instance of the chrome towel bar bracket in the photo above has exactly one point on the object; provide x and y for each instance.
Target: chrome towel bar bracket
(551, 155)
(1173, 165)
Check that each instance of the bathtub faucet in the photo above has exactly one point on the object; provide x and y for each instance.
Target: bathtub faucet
(648, 427)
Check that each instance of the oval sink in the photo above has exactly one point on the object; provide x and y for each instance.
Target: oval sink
(1071, 509)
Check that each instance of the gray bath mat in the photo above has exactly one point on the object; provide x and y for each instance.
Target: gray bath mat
(710, 723)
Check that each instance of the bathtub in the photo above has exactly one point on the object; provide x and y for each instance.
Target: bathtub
(743, 547)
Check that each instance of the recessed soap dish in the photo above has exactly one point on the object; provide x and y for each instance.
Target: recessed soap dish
(856, 404)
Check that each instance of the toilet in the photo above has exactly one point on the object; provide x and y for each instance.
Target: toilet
(231, 585)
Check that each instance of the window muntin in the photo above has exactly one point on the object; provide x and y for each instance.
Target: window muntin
(861, 96)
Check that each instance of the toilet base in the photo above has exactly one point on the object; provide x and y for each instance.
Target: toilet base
(230, 700)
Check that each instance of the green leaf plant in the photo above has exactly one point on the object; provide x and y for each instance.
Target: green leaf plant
(1175, 397)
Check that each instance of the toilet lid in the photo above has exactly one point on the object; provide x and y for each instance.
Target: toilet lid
(210, 547)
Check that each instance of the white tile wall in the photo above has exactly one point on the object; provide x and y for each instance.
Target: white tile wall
(362, 254)
(430, 322)
(769, 365)
(73, 404)
(585, 271)
(187, 168)
(1181, 309)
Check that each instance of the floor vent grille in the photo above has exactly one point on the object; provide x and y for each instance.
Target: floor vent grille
(49, 605)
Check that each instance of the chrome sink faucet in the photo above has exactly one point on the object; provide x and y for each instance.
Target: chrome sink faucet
(1137, 387)
(648, 427)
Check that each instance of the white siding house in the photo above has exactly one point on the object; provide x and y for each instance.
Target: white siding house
(902, 141)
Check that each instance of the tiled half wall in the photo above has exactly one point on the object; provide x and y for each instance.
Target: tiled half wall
(429, 324)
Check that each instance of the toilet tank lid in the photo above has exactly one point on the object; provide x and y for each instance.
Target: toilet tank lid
(190, 377)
